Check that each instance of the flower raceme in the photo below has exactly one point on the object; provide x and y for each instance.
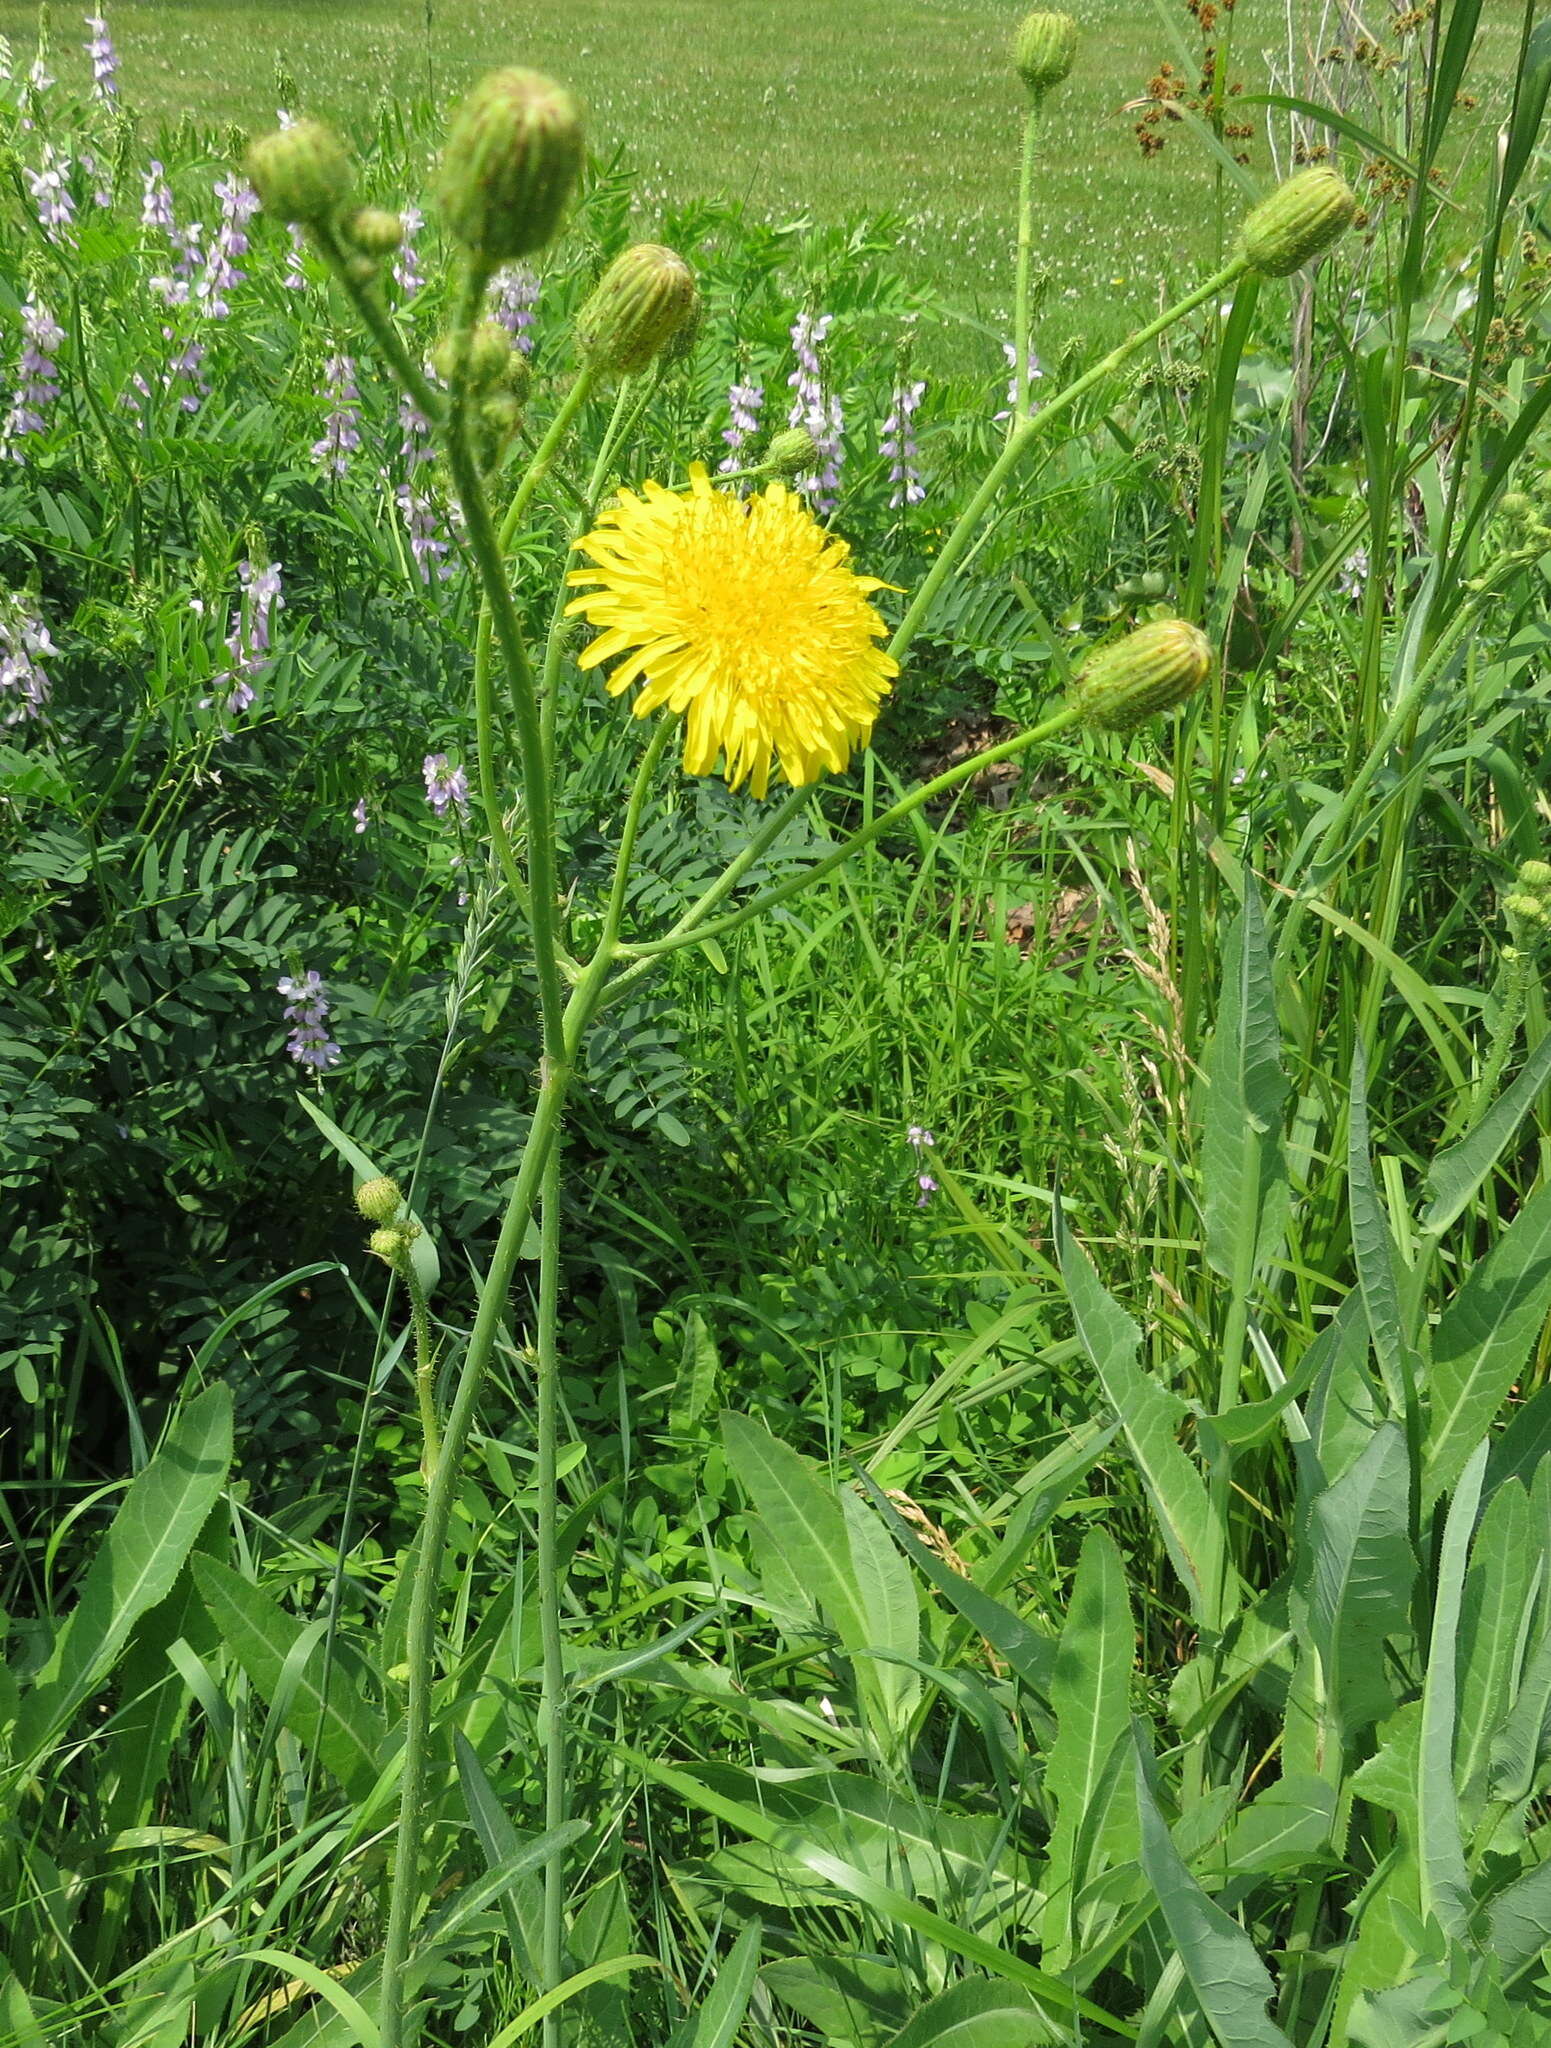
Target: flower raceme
(743, 616)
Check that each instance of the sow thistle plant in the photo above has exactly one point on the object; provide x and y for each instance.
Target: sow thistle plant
(746, 638)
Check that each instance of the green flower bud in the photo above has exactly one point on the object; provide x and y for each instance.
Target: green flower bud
(1535, 874)
(1297, 221)
(374, 231)
(363, 269)
(379, 1200)
(517, 377)
(388, 1244)
(641, 301)
(302, 173)
(1150, 671)
(490, 354)
(790, 453)
(514, 153)
(1043, 50)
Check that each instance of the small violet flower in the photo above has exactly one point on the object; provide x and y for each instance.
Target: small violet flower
(817, 409)
(516, 294)
(51, 193)
(744, 403)
(37, 379)
(445, 787)
(239, 203)
(248, 641)
(359, 812)
(920, 1137)
(24, 687)
(156, 199)
(928, 1188)
(295, 279)
(898, 445)
(407, 273)
(342, 431)
(306, 1011)
(104, 60)
(1035, 373)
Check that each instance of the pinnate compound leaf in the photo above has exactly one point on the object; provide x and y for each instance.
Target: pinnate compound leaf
(135, 1568)
(1230, 1981)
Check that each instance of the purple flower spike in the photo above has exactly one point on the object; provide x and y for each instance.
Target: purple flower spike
(37, 379)
(817, 409)
(104, 60)
(341, 432)
(898, 446)
(445, 788)
(744, 403)
(306, 1011)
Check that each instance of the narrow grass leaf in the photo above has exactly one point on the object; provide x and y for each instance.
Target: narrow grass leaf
(718, 2020)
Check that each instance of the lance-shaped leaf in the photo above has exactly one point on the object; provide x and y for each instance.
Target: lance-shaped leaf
(1244, 1177)
(1445, 1880)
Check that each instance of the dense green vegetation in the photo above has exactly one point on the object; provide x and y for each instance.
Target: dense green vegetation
(994, 1488)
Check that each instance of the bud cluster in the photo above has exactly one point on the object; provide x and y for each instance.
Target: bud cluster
(1527, 906)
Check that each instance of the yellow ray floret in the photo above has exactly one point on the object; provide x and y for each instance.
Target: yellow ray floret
(742, 615)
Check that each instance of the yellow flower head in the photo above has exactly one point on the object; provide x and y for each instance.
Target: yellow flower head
(742, 615)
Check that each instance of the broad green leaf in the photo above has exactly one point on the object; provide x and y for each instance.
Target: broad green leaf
(1519, 1745)
(694, 1388)
(1340, 1413)
(1458, 1172)
(719, 2018)
(806, 1523)
(1150, 1417)
(135, 1568)
(1483, 1340)
(890, 1905)
(1521, 1446)
(850, 1998)
(1519, 1919)
(976, 2015)
(1360, 1572)
(1090, 1690)
(1244, 1183)
(1414, 2015)
(1231, 1982)
(1445, 1881)
(347, 1733)
(1286, 1828)
(891, 1605)
(1504, 1577)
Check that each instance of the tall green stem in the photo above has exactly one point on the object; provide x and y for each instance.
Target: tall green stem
(1020, 311)
(1023, 438)
(552, 1702)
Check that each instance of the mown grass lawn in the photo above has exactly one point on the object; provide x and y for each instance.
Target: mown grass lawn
(804, 108)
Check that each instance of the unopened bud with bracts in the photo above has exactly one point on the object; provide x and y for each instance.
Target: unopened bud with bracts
(390, 1244)
(1148, 672)
(302, 173)
(379, 1200)
(489, 355)
(1297, 222)
(1535, 875)
(514, 153)
(638, 305)
(792, 452)
(374, 231)
(1043, 50)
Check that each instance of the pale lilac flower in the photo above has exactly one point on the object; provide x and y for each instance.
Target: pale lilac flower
(248, 641)
(427, 543)
(817, 409)
(1034, 374)
(295, 278)
(156, 199)
(898, 444)
(177, 288)
(1352, 581)
(239, 203)
(342, 431)
(24, 687)
(37, 379)
(98, 172)
(187, 368)
(51, 192)
(407, 274)
(918, 1136)
(104, 60)
(39, 77)
(445, 787)
(928, 1188)
(359, 812)
(516, 294)
(744, 402)
(306, 1011)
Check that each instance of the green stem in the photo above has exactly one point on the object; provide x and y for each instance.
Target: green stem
(1022, 439)
(379, 321)
(1020, 311)
(552, 1695)
(425, 1367)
